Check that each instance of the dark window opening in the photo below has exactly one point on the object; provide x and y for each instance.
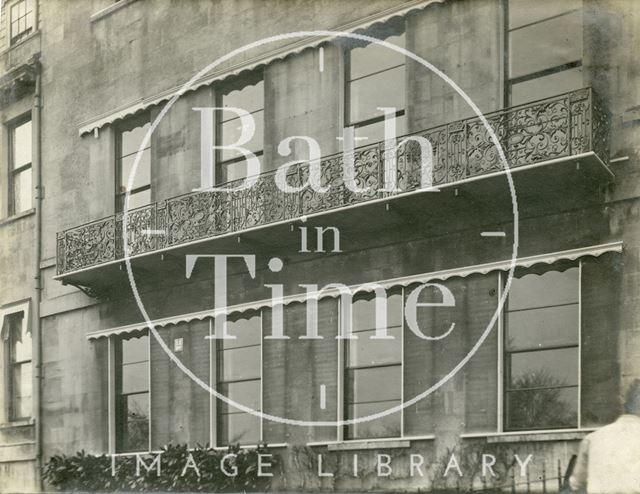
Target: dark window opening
(129, 137)
(132, 394)
(21, 20)
(239, 379)
(373, 370)
(19, 372)
(248, 96)
(20, 167)
(541, 342)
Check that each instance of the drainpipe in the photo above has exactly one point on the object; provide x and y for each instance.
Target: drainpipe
(37, 288)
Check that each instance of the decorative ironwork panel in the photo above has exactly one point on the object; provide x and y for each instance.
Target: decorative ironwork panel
(600, 127)
(482, 153)
(368, 171)
(561, 126)
(456, 151)
(580, 122)
(261, 204)
(331, 173)
(537, 132)
(195, 216)
(90, 244)
(61, 253)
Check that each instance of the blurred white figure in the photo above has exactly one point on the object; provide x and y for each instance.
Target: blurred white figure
(609, 458)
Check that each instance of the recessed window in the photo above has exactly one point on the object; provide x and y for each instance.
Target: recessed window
(545, 48)
(541, 344)
(375, 78)
(128, 140)
(373, 370)
(20, 385)
(21, 20)
(239, 379)
(132, 394)
(232, 165)
(20, 176)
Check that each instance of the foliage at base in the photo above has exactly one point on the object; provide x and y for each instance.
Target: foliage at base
(86, 472)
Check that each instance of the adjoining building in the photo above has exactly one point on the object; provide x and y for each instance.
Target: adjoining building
(83, 82)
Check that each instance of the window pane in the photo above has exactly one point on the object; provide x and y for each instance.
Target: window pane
(548, 44)
(231, 131)
(363, 312)
(544, 368)
(137, 200)
(20, 338)
(135, 377)
(21, 145)
(249, 98)
(131, 139)
(387, 426)
(22, 407)
(550, 288)
(236, 170)
(523, 12)
(143, 172)
(375, 132)
(538, 328)
(246, 393)
(242, 428)
(375, 384)
(137, 423)
(547, 86)
(240, 363)
(367, 351)
(21, 390)
(22, 191)
(246, 330)
(542, 409)
(385, 89)
(135, 350)
(374, 57)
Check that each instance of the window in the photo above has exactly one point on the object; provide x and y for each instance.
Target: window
(373, 371)
(239, 379)
(232, 165)
(21, 20)
(132, 394)
(375, 78)
(545, 49)
(541, 342)
(19, 379)
(20, 155)
(128, 140)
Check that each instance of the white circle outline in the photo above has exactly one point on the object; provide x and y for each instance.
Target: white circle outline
(332, 34)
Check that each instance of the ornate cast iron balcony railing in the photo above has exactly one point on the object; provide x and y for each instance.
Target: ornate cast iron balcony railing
(559, 127)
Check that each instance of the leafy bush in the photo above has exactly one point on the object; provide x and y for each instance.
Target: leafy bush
(86, 472)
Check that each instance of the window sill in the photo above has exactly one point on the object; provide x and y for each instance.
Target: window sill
(254, 446)
(361, 444)
(17, 423)
(101, 14)
(23, 41)
(217, 448)
(16, 217)
(530, 436)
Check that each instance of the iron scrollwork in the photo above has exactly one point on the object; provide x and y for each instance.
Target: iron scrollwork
(564, 125)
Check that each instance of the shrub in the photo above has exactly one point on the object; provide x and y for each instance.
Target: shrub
(86, 472)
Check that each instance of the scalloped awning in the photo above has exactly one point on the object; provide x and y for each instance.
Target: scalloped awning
(527, 262)
(372, 21)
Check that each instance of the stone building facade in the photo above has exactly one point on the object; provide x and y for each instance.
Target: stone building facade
(543, 261)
